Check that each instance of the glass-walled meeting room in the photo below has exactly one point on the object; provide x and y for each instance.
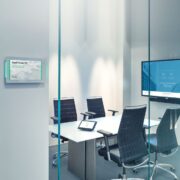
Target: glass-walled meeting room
(164, 88)
(114, 90)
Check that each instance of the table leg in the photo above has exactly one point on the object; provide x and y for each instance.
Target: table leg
(91, 160)
(82, 159)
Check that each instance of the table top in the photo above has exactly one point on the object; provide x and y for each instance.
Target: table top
(111, 124)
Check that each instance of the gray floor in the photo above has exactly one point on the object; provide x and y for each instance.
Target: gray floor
(109, 170)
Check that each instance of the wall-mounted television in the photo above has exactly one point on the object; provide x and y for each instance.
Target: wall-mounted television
(162, 81)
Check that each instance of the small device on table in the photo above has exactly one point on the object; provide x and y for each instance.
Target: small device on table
(87, 125)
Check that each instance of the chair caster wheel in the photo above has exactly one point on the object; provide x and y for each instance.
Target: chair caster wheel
(173, 170)
(135, 171)
(120, 176)
(55, 156)
(54, 165)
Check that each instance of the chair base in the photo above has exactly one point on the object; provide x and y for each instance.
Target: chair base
(160, 166)
(151, 165)
(55, 158)
(163, 168)
(124, 177)
(129, 179)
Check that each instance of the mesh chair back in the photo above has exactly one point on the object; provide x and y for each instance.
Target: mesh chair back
(166, 136)
(68, 110)
(96, 105)
(131, 141)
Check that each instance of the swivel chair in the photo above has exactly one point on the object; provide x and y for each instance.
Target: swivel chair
(131, 145)
(68, 114)
(165, 141)
(96, 105)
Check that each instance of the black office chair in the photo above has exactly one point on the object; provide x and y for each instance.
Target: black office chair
(96, 106)
(131, 145)
(68, 114)
(164, 141)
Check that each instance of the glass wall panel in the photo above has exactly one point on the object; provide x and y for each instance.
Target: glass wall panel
(140, 55)
(103, 44)
(92, 62)
(164, 81)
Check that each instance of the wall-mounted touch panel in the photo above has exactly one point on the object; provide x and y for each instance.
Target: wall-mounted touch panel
(23, 70)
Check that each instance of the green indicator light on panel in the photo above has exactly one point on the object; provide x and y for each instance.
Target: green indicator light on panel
(7, 69)
(9, 72)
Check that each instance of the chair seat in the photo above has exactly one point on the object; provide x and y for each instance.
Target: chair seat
(113, 153)
(129, 179)
(63, 139)
(154, 146)
(115, 156)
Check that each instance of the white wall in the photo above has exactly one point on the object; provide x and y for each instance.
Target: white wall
(24, 109)
(126, 68)
(165, 43)
(139, 47)
(165, 37)
(92, 52)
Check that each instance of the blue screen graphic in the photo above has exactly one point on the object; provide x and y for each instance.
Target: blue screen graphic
(164, 76)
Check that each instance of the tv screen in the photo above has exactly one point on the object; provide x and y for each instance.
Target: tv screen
(164, 78)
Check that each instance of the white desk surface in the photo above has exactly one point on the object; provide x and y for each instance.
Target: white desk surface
(110, 123)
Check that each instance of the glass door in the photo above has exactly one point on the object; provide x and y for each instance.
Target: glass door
(164, 78)
(100, 48)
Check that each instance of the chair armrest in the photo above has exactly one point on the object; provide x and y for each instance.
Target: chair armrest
(106, 134)
(91, 114)
(113, 111)
(55, 119)
(84, 115)
(54, 135)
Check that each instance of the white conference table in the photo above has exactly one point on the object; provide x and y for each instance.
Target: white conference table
(82, 144)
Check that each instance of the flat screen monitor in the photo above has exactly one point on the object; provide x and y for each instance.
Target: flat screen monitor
(164, 79)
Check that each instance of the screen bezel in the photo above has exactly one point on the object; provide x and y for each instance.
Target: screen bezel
(87, 129)
(158, 98)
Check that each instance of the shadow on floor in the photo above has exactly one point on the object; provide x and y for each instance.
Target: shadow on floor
(109, 170)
